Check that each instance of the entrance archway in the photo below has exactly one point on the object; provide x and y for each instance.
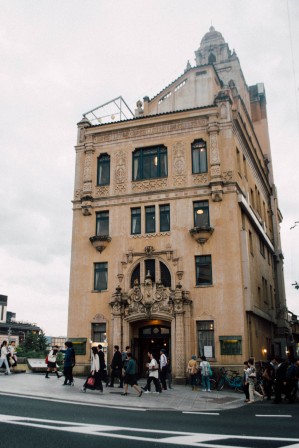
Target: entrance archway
(151, 337)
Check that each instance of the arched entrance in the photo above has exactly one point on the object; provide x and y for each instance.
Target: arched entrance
(151, 337)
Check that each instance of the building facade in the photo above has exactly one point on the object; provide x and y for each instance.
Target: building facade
(176, 239)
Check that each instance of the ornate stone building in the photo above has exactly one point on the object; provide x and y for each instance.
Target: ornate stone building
(176, 223)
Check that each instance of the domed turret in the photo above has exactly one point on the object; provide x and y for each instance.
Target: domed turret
(213, 37)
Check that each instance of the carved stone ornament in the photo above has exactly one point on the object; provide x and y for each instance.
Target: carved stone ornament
(100, 242)
(201, 234)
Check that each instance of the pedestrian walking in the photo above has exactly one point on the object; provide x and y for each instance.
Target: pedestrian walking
(13, 359)
(69, 363)
(3, 357)
(116, 367)
(93, 381)
(163, 368)
(280, 380)
(153, 375)
(191, 371)
(251, 372)
(103, 367)
(205, 369)
(52, 362)
(268, 380)
(245, 381)
(130, 376)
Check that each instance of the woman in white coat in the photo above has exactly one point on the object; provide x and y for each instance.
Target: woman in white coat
(3, 357)
(94, 381)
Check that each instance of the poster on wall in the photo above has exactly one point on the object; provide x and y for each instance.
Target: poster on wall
(208, 351)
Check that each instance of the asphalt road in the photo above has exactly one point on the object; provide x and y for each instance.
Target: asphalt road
(30, 423)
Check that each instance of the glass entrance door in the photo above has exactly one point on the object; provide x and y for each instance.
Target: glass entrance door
(152, 338)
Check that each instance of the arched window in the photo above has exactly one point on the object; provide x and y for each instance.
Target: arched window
(135, 275)
(212, 58)
(199, 157)
(157, 270)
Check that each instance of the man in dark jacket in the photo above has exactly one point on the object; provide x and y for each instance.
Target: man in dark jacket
(116, 367)
(103, 367)
(280, 380)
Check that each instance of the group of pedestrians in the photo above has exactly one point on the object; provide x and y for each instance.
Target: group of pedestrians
(158, 373)
(196, 369)
(279, 377)
(68, 363)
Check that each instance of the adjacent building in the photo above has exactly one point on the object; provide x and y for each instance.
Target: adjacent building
(176, 240)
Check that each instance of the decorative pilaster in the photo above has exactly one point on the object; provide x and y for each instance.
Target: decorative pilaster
(117, 313)
(179, 334)
(216, 179)
(87, 173)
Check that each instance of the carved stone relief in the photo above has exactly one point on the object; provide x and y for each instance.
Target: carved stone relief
(153, 130)
(102, 191)
(214, 157)
(227, 176)
(149, 185)
(199, 179)
(179, 159)
(87, 166)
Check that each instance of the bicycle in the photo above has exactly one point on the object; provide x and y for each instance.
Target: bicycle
(231, 378)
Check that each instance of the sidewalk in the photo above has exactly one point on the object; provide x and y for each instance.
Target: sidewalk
(180, 398)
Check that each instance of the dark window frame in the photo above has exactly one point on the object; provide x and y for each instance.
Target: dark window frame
(164, 215)
(102, 223)
(199, 157)
(149, 163)
(150, 214)
(103, 174)
(136, 221)
(203, 270)
(100, 283)
(204, 219)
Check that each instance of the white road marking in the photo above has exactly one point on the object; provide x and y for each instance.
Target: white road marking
(58, 400)
(273, 416)
(200, 413)
(172, 437)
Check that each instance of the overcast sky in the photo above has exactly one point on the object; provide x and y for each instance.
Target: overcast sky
(61, 58)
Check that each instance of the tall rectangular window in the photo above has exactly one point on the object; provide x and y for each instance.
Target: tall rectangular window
(205, 338)
(150, 219)
(102, 223)
(203, 266)
(99, 332)
(199, 157)
(164, 218)
(150, 163)
(135, 221)
(100, 276)
(201, 214)
(103, 169)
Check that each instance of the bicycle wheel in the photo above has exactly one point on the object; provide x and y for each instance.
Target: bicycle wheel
(212, 384)
(220, 385)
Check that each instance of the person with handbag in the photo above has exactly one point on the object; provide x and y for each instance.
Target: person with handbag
(205, 374)
(52, 364)
(93, 381)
